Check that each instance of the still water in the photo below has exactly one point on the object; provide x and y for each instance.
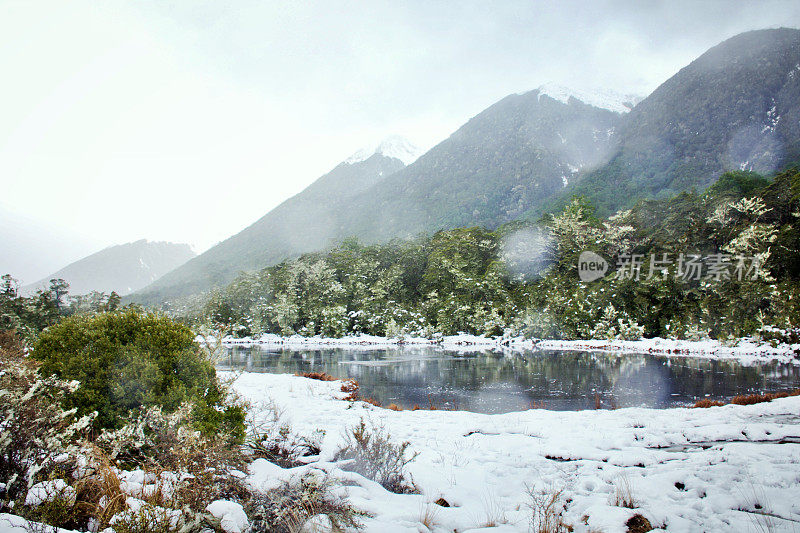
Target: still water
(489, 382)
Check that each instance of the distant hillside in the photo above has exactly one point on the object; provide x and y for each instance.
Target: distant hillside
(124, 268)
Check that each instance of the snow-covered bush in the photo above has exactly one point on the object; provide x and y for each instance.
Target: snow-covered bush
(155, 441)
(144, 517)
(369, 451)
(272, 438)
(616, 325)
(289, 507)
(37, 436)
(537, 324)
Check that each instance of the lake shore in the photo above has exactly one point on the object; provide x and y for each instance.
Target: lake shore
(716, 469)
(743, 350)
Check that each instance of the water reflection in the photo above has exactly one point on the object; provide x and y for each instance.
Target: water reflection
(495, 383)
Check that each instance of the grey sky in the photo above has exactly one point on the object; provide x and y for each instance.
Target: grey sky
(186, 121)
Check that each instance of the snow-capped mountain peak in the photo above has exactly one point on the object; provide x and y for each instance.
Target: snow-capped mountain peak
(601, 98)
(394, 146)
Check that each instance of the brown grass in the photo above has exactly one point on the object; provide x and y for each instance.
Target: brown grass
(706, 403)
(747, 399)
(372, 401)
(750, 399)
(321, 376)
(394, 407)
(623, 493)
(638, 524)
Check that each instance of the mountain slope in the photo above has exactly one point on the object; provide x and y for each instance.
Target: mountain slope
(735, 107)
(123, 268)
(303, 223)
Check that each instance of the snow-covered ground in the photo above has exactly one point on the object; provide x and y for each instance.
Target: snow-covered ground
(732, 468)
(745, 351)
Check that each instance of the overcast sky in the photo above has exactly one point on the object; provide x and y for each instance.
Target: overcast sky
(187, 121)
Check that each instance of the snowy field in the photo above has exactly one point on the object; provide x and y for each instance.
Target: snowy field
(732, 468)
(745, 351)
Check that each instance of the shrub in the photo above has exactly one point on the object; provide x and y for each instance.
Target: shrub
(148, 518)
(547, 510)
(156, 442)
(287, 508)
(275, 441)
(37, 436)
(128, 359)
(369, 451)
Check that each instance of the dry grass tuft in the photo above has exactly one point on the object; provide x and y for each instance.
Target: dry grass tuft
(394, 407)
(429, 516)
(547, 507)
(623, 493)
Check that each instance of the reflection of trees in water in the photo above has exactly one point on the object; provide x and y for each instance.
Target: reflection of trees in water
(493, 382)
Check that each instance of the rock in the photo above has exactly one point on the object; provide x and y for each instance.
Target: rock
(442, 502)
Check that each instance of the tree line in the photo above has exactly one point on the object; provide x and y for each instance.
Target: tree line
(739, 240)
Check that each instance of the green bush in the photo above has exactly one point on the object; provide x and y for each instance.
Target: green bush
(129, 359)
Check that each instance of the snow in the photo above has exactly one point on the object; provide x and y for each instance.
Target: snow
(231, 516)
(393, 146)
(689, 470)
(48, 491)
(16, 524)
(746, 351)
(600, 98)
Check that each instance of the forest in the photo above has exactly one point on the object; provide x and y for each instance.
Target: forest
(741, 233)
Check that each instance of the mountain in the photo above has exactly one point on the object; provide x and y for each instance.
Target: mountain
(522, 148)
(735, 107)
(123, 268)
(303, 223)
(518, 153)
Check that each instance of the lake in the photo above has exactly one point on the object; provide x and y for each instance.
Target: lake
(489, 382)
